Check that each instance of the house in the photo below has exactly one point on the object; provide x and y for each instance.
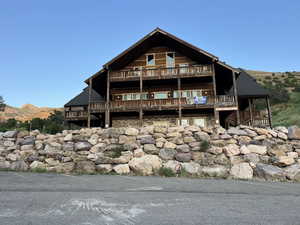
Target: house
(163, 80)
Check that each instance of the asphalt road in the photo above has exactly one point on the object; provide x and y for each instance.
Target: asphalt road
(42, 199)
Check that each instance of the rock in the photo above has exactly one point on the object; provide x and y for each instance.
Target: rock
(191, 168)
(27, 141)
(282, 136)
(69, 146)
(173, 134)
(4, 165)
(261, 131)
(12, 157)
(244, 150)
(150, 149)
(53, 146)
(284, 161)
(131, 131)
(259, 149)
(138, 153)
(167, 154)
(215, 171)
(160, 129)
(183, 148)
(250, 133)
(145, 165)
(202, 136)
(215, 150)
(27, 147)
(67, 167)
(121, 169)
(82, 146)
(293, 172)
(242, 171)
(173, 165)
(19, 166)
(282, 129)
(293, 155)
(124, 158)
(169, 145)
(147, 139)
(37, 165)
(294, 133)
(85, 167)
(183, 157)
(225, 137)
(236, 131)
(231, 150)
(188, 139)
(52, 162)
(10, 134)
(269, 172)
(68, 137)
(251, 158)
(260, 138)
(8, 143)
(104, 168)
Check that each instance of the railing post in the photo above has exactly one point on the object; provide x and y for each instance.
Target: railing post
(107, 111)
(179, 100)
(269, 111)
(141, 100)
(236, 97)
(216, 113)
(89, 105)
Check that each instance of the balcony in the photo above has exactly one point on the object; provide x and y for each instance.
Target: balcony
(76, 115)
(165, 104)
(162, 73)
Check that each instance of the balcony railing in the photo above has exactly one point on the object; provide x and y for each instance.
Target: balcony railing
(162, 73)
(70, 115)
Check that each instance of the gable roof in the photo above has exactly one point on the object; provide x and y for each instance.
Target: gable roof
(138, 46)
(83, 98)
(248, 87)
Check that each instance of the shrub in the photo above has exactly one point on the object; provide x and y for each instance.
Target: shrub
(204, 146)
(166, 172)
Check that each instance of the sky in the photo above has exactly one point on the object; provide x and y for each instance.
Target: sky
(48, 48)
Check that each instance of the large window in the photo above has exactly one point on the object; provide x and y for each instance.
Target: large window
(188, 93)
(199, 122)
(150, 60)
(170, 59)
(133, 96)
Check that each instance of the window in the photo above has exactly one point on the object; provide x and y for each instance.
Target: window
(137, 70)
(183, 68)
(160, 95)
(199, 122)
(184, 122)
(170, 59)
(150, 60)
(133, 96)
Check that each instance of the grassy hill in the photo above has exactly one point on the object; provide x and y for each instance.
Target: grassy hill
(285, 95)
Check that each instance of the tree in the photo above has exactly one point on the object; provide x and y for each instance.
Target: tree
(2, 105)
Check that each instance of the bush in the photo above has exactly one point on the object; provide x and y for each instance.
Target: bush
(166, 172)
(204, 146)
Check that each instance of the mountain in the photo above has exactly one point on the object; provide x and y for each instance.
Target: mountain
(27, 112)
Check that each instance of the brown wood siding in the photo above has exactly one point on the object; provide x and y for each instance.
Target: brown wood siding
(160, 59)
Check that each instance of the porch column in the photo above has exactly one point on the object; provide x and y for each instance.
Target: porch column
(107, 110)
(236, 98)
(89, 105)
(216, 113)
(250, 110)
(269, 111)
(141, 100)
(179, 100)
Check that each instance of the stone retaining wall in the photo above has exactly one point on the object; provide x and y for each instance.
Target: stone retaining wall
(242, 152)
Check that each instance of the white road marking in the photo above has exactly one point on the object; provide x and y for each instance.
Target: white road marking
(153, 188)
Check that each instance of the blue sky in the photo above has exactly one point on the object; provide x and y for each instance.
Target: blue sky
(47, 48)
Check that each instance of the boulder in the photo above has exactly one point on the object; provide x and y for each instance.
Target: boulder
(19, 166)
(169, 145)
(10, 134)
(124, 158)
(244, 150)
(85, 167)
(188, 139)
(191, 168)
(37, 165)
(215, 150)
(146, 139)
(183, 157)
(201, 136)
(68, 137)
(167, 154)
(51, 162)
(27, 141)
(8, 143)
(150, 149)
(269, 172)
(121, 169)
(145, 165)
(12, 157)
(4, 165)
(69, 146)
(258, 149)
(82, 146)
(215, 171)
(138, 153)
(236, 131)
(183, 148)
(174, 165)
(251, 158)
(282, 129)
(231, 150)
(131, 131)
(104, 168)
(293, 172)
(160, 129)
(282, 136)
(242, 171)
(294, 133)
(284, 161)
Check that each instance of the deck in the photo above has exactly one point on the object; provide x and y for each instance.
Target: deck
(162, 73)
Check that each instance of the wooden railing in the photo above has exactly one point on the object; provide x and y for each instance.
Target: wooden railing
(98, 107)
(258, 119)
(76, 114)
(162, 73)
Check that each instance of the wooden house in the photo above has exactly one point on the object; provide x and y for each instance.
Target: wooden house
(164, 80)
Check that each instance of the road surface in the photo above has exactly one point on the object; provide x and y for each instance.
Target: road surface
(42, 199)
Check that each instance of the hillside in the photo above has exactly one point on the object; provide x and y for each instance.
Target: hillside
(27, 112)
(285, 97)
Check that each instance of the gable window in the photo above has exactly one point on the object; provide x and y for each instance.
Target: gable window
(170, 59)
(150, 60)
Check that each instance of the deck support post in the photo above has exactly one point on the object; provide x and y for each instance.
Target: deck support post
(238, 118)
(141, 100)
(269, 111)
(89, 105)
(107, 108)
(250, 103)
(216, 113)
(179, 100)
